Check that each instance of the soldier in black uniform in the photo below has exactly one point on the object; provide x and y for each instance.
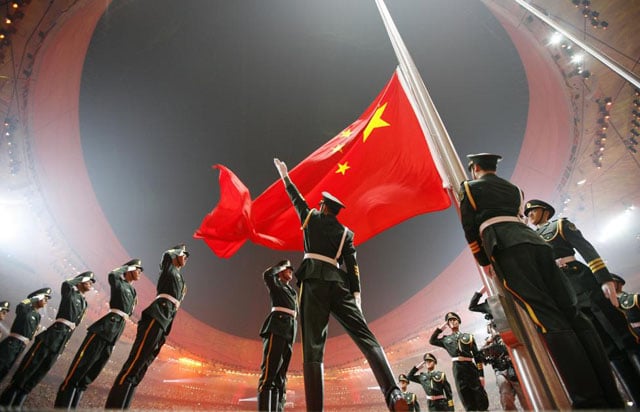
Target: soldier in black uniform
(595, 290)
(629, 303)
(278, 333)
(467, 366)
(24, 327)
(153, 328)
(410, 397)
(326, 289)
(49, 344)
(434, 382)
(102, 336)
(5, 307)
(503, 245)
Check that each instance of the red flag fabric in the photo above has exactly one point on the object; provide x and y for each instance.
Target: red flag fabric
(380, 167)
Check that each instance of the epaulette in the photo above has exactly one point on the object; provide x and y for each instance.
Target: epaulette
(438, 376)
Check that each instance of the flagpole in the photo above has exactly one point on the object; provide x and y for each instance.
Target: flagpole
(537, 375)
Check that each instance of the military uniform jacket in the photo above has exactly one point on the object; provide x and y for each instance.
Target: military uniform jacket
(565, 239)
(123, 297)
(73, 307)
(163, 310)
(433, 382)
(323, 235)
(27, 319)
(459, 344)
(629, 303)
(412, 401)
(283, 295)
(485, 198)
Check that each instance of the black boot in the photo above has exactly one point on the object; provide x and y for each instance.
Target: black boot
(627, 378)
(314, 385)
(264, 400)
(19, 400)
(282, 400)
(382, 371)
(576, 370)
(275, 399)
(602, 367)
(12, 396)
(64, 398)
(76, 399)
(120, 396)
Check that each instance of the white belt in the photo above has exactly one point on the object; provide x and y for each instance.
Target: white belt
(173, 300)
(70, 324)
(435, 397)
(21, 338)
(120, 313)
(562, 262)
(323, 258)
(497, 219)
(285, 310)
(462, 359)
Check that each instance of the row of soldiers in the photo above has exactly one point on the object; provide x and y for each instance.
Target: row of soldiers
(468, 361)
(102, 335)
(574, 306)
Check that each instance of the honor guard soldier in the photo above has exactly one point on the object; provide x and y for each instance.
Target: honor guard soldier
(467, 366)
(278, 333)
(5, 307)
(435, 384)
(102, 336)
(49, 344)
(326, 289)
(23, 329)
(595, 289)
(410, 397)
(490, 213)
(628, 303)
(153, 328)
(495, 353)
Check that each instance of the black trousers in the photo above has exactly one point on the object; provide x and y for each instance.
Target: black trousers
(530, 274)
(150, 337)
(93, 355)
(275, 363)
(319, 299)
(41, 357)
(470, 390)
(10, 350)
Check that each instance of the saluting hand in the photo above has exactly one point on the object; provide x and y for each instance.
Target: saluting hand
(282, 167)
(356, 295)
(609, 290)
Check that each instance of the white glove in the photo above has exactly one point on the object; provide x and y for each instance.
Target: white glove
(358, 300)
(609, 290)
(282, 168)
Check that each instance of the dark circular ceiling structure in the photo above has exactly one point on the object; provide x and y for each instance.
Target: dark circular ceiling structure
(170, 89)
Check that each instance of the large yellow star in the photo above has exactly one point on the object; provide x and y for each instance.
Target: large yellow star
(376, 121)
(342, 168)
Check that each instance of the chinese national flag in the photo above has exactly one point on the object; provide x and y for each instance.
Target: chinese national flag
(380, 167)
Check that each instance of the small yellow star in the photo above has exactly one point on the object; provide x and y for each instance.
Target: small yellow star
(342, 168)
(338, 148)
(346, 133)
(376, 121)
